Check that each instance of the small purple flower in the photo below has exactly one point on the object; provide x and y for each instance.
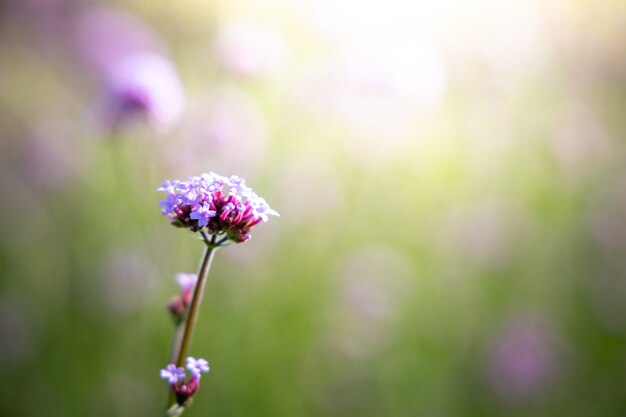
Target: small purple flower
(238, 186)
(182, 386)
(202, 214)
(172, 374)
(179, 304)
(186, 281)
(168, 186)
(197, 366)
(224, 206)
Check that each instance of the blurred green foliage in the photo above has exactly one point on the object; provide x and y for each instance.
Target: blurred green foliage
(451, 242)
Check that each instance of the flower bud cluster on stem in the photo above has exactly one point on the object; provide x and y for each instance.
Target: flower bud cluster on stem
(222, 210)
(182, 386)
(221, 206)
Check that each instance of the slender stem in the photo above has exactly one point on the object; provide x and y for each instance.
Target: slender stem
(176, 341)
(192, 315)
(205, 237)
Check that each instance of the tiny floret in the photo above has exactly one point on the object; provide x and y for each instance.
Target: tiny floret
(197, 366)
(225, 207)
(185, 280)
(172, 374)
(182, 386)
(179, 304)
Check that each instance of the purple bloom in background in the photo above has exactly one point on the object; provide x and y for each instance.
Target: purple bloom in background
(107, 35)
(523, 359)
(221, 205)
(139, 82)
(145, 86)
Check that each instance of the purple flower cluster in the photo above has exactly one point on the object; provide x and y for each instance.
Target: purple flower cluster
(182, 386)
(220, 205)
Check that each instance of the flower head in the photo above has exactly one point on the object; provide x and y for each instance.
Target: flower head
(182, 386)
(220, 205)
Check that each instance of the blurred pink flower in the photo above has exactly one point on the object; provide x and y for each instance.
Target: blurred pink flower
(126, 57)
(250, 49)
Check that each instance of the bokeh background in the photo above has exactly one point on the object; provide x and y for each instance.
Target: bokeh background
(451, 178)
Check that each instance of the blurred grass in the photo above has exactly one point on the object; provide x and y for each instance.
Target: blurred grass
(398, 259)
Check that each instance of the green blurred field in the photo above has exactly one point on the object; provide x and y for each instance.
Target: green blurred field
(451, 183)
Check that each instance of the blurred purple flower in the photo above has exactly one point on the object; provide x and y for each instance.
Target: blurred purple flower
(106, 36)
(523, 361)
(143, 86)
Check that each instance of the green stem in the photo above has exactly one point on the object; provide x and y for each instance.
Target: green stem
(194, 308)
(184, 331)
(176, 341)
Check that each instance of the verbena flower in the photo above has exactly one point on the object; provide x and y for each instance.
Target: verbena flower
(182, 386)
(220, 205)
